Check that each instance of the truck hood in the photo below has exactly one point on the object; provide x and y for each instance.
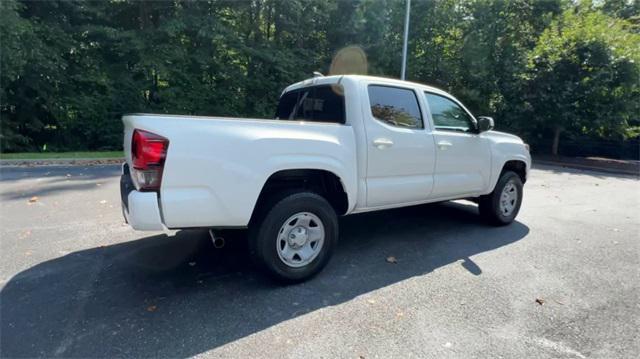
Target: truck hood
(498, 136)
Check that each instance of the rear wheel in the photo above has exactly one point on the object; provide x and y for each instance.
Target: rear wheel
(294, 237)
(501, 206)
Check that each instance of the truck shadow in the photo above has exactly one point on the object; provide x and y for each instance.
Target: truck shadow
(163, 296)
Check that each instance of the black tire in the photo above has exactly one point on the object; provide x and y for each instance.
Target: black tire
(264, 234)
(489, 205)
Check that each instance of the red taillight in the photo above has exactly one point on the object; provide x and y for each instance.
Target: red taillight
(148, 152)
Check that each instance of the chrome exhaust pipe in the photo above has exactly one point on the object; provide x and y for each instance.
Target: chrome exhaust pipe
(218, 242)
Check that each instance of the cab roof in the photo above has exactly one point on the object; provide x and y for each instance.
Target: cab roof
(336, 79)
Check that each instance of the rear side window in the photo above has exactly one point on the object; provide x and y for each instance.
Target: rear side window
(324, 103)
(395, 106)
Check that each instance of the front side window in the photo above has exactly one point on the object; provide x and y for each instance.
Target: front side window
(324, 103)
(395, 106)
(448, 115)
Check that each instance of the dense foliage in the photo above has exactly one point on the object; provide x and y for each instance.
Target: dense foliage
(546, 69)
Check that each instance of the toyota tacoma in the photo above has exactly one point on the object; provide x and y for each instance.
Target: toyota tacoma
(338, 145)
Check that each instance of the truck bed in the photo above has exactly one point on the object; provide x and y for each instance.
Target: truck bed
(215, 167)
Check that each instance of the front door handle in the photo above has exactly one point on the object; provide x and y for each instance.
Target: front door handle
(443, 145)
(382, 143)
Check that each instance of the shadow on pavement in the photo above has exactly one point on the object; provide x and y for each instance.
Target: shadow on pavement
(178, 296)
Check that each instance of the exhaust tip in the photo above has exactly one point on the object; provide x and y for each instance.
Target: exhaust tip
(218, 242)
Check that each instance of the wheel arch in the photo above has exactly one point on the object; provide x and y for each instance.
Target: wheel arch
(517, 166)
(320, 181)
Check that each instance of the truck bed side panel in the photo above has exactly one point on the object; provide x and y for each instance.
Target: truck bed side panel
(216, 167)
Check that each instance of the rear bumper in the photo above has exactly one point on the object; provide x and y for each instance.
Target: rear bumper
(141, 210)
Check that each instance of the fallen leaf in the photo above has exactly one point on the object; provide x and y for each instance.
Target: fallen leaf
(392, 259)
(152, 308)
(540, 301)
(33, 199)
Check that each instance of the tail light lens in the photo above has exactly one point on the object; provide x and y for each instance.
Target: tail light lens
(148, 152)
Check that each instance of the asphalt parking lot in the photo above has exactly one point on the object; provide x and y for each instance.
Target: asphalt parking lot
(563, 281)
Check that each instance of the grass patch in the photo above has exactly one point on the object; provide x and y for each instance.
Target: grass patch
(56, 155)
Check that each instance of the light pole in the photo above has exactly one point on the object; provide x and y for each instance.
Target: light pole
(404, 43)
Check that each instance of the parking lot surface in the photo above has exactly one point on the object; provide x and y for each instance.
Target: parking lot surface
(563, 281)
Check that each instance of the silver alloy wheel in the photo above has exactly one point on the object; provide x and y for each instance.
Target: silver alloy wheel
(300, 239)
(508, 199)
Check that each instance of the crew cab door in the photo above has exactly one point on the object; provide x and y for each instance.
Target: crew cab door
(400, 153)
(463, 157)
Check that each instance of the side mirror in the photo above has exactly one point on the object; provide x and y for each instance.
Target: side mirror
(485, 123)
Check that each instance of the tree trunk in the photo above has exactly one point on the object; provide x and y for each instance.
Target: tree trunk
(556, 141)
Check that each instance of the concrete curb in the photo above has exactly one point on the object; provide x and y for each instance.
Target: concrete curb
(62, 162)
(586, 167)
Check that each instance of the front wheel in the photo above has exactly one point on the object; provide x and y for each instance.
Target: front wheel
(501, 206)
(294, 238)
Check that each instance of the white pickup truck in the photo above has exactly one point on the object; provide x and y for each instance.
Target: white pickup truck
(338, 145)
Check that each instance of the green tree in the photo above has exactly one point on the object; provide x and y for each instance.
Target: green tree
(71, 68)
(30, 73)
(583, 77)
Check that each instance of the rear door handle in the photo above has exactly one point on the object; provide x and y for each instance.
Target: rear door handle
(443, 145)
(382, 143)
